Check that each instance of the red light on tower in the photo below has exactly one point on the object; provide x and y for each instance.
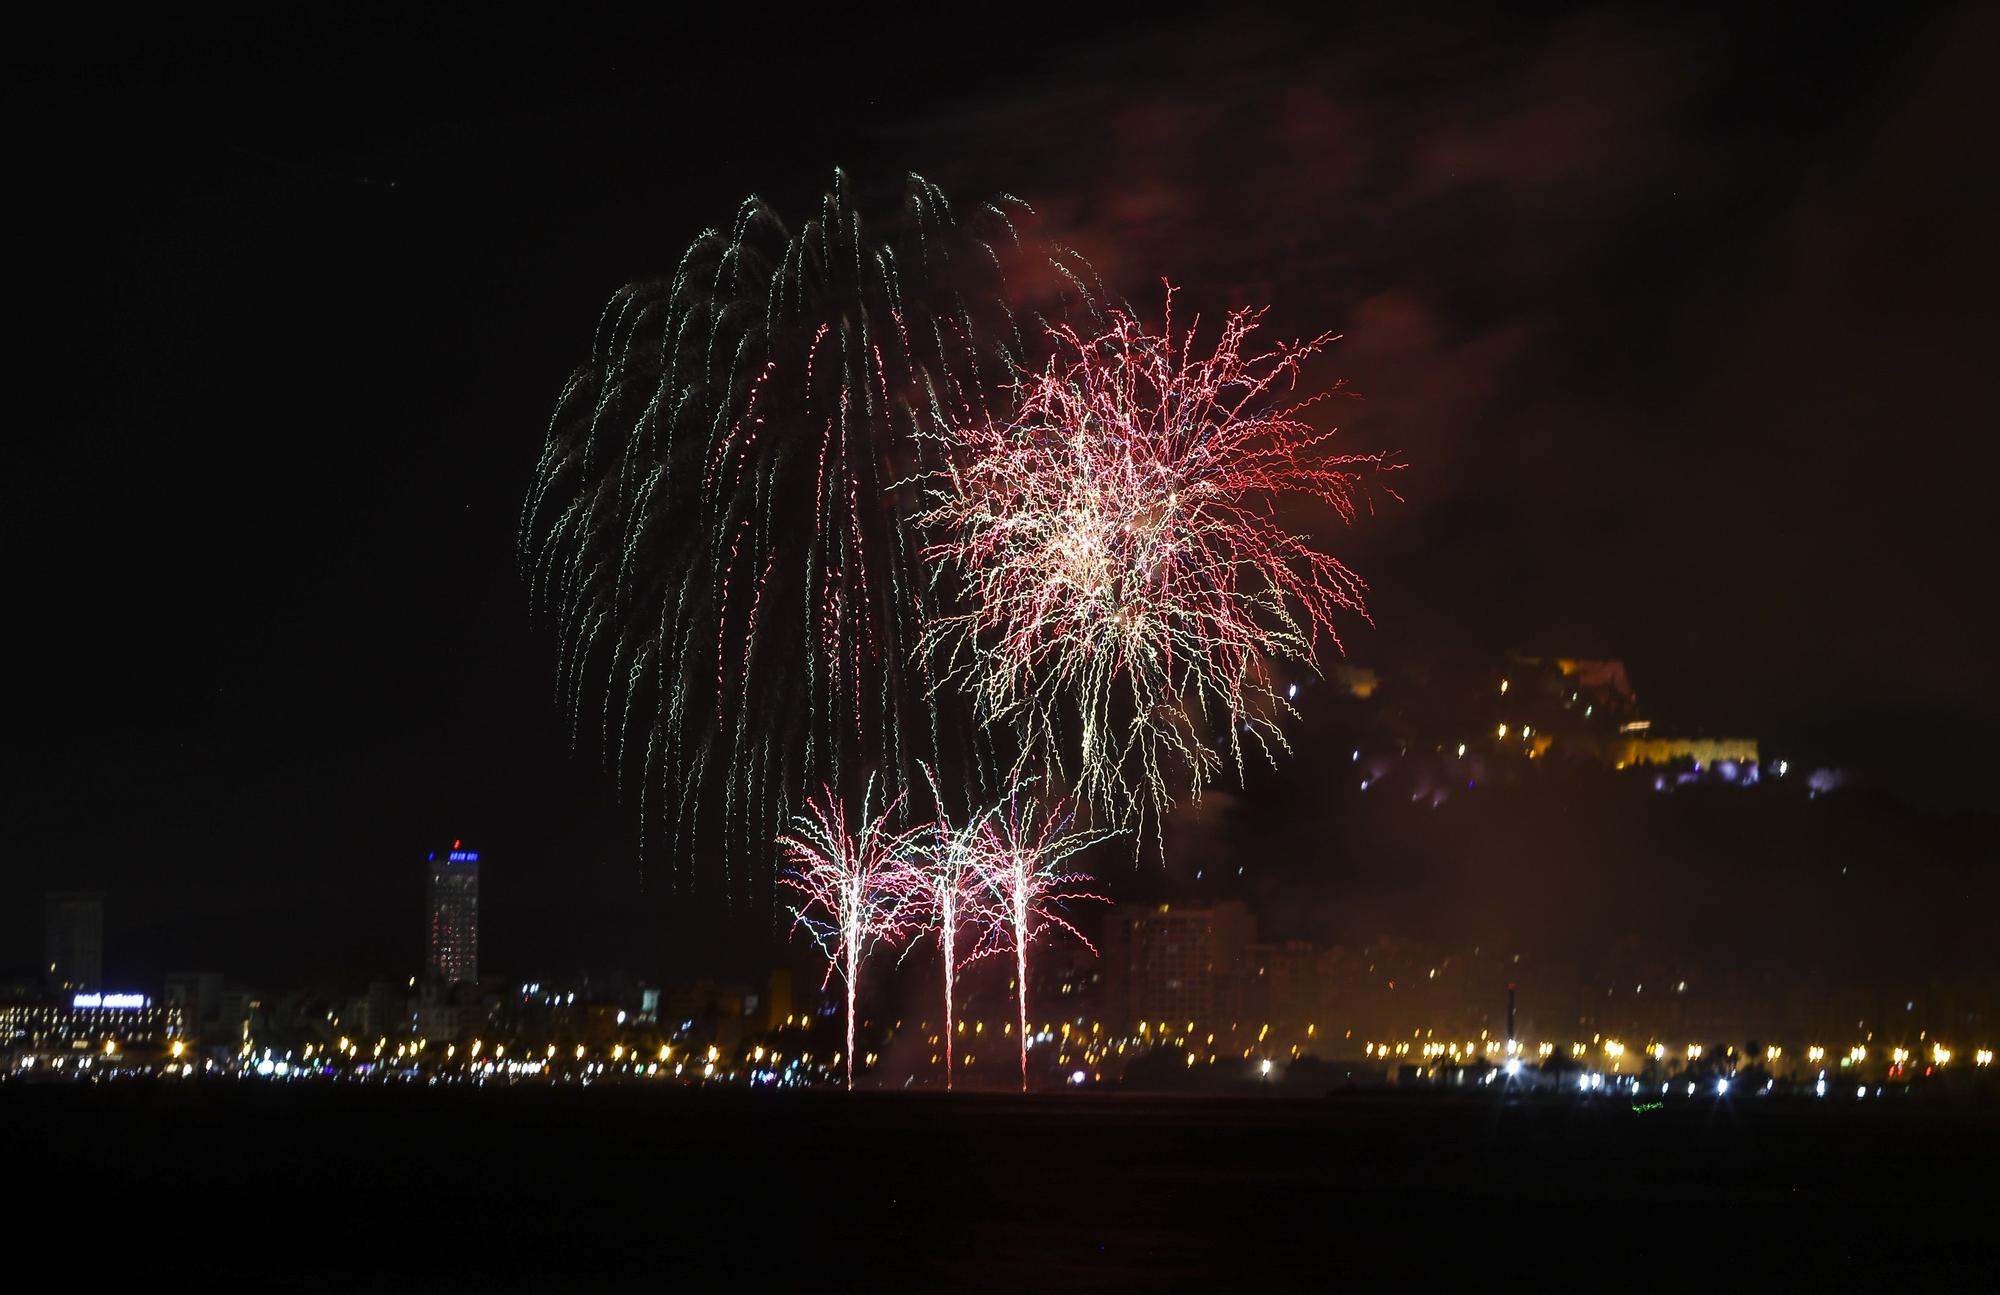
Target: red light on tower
(456, 843)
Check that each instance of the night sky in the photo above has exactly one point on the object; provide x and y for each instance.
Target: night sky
(1675, 321)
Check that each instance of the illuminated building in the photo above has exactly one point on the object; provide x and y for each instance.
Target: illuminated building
(87, 1027)
(74, 940)
(454, 915)
(1163, 962)
(1630, 752)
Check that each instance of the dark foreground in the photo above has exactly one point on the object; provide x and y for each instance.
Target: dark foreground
(311, 1186)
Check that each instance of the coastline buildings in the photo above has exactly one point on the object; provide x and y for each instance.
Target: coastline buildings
(1198, 974)
(1164, 962)
(454, 915)
(88, 1030)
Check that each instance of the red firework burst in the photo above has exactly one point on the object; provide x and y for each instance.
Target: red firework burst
(1128, 581)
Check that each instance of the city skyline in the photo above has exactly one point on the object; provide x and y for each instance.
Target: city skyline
(1166, 993)
(1402, 731)
(1249, 649)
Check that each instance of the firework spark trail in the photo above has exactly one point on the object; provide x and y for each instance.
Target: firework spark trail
(1019, 850)
(946, 893)
(723, 502)
(1128, 584)
(850, 899)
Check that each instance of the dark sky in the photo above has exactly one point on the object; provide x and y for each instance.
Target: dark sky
(1676, 320)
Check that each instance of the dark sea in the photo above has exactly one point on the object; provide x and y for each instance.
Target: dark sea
(269, 1186)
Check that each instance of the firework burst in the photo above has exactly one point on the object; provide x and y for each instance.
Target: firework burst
(1020, 850)
(945, 892)
(714, 523)
(1128, 587)
(848, 884)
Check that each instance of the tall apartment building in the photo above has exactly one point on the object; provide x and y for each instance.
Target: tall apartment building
(73, 940)
(1164, 962)
(454, 915)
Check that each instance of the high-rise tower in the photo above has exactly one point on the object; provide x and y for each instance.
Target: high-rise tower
(454, 914)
